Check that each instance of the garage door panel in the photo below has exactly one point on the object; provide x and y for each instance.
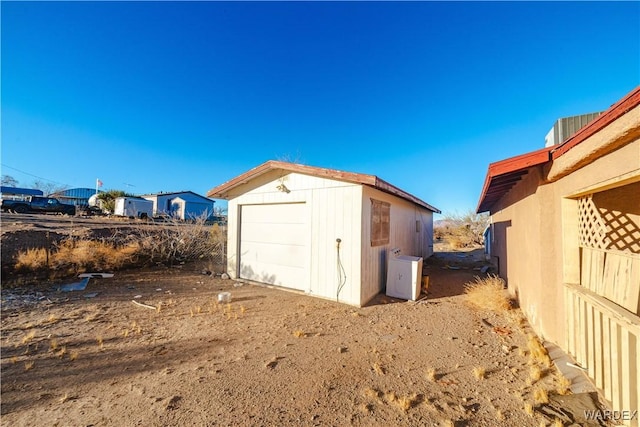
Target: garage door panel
(288, 213)
(269, 253)
(284, 234)
(264, 273)
(274, 244)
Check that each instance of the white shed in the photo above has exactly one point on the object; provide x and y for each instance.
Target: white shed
(321, 231)
(183, 204)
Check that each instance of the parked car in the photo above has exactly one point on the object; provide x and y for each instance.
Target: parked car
(37, 204)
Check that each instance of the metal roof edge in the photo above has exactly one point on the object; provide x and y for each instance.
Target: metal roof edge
(222, 190)
(534, 158)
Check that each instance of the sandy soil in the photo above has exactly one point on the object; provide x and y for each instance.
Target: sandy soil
(270, 357)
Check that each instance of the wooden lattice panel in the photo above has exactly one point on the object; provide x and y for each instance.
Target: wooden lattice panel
(592, 229)
(622, 233)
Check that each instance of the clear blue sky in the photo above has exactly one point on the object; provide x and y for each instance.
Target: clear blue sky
(170, 96)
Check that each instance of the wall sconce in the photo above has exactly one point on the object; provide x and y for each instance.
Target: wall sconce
(283, 188)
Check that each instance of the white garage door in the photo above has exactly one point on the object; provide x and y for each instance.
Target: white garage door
(274, 244)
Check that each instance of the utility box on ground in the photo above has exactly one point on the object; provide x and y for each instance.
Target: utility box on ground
(404, 276)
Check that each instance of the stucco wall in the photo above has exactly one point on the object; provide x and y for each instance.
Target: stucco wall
(536, 245)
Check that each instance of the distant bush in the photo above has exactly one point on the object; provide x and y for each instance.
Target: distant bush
(78, 255)
(176, 241)
(462, 231)
(168, 243)
(108, 199)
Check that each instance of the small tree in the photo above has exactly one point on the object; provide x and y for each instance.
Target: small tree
(9, 181)
(48, 187)
(463, 230)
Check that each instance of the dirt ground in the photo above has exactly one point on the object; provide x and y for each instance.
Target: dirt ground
(270, 357)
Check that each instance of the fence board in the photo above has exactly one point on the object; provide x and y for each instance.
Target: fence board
(616, 357)
(606, 329)
(607, 342)
(599, 349)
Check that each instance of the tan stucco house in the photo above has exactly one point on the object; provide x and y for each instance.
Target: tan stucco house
(565, 235)
(321, 231)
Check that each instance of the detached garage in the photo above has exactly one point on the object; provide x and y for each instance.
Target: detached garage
(321, 231)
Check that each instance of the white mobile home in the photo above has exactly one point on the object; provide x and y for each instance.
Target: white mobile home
(321, 231)
(183, 204)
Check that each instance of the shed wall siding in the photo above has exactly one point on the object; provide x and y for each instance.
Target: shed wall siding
(335, 211)
(403, 235)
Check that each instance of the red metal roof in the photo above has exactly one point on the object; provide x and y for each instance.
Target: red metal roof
(222, 191)
(503, 175)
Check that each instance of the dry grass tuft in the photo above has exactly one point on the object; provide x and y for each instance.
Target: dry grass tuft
(431, 374)
(564, 385)
(558, 423)
(537, 352)
(379, 369)
(28, 337)
(31, 260)
(51, 319)
(541, 396)
(390, 396)
(53, 344)
(100, 341)
(479, 372)
(74, 355)
(448, 423)
(500, 415)
(535, 373)
(372, 393)
(528, 408)
(62, 352)
(488, 293)
(407, 402)
(28, 365)
(297, 333)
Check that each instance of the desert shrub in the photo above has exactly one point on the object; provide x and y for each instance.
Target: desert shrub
(82, 255)
(176, 241)
(172, 242)
(462, 230)
(31, 260)
(488, 293)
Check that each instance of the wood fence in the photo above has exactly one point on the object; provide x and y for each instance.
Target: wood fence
(603, 324)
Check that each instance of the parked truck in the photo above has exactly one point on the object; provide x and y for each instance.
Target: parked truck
(35, 204)
(133, 207)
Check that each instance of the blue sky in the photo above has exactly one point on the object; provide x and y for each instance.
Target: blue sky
(164, 96)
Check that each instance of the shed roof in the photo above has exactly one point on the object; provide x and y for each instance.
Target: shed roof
(171, 193)
(223, 191)
(503, 175)
(20, 191)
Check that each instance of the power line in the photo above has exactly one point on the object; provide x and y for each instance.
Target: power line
(35, 176)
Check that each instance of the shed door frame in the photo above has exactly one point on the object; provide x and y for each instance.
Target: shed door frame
(306, 277)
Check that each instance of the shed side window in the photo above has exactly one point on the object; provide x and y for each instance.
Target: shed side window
(380, 222)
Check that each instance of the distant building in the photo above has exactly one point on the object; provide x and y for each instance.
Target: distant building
(75, 196)
(181, 204)
(15, 193)
(566, 127)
